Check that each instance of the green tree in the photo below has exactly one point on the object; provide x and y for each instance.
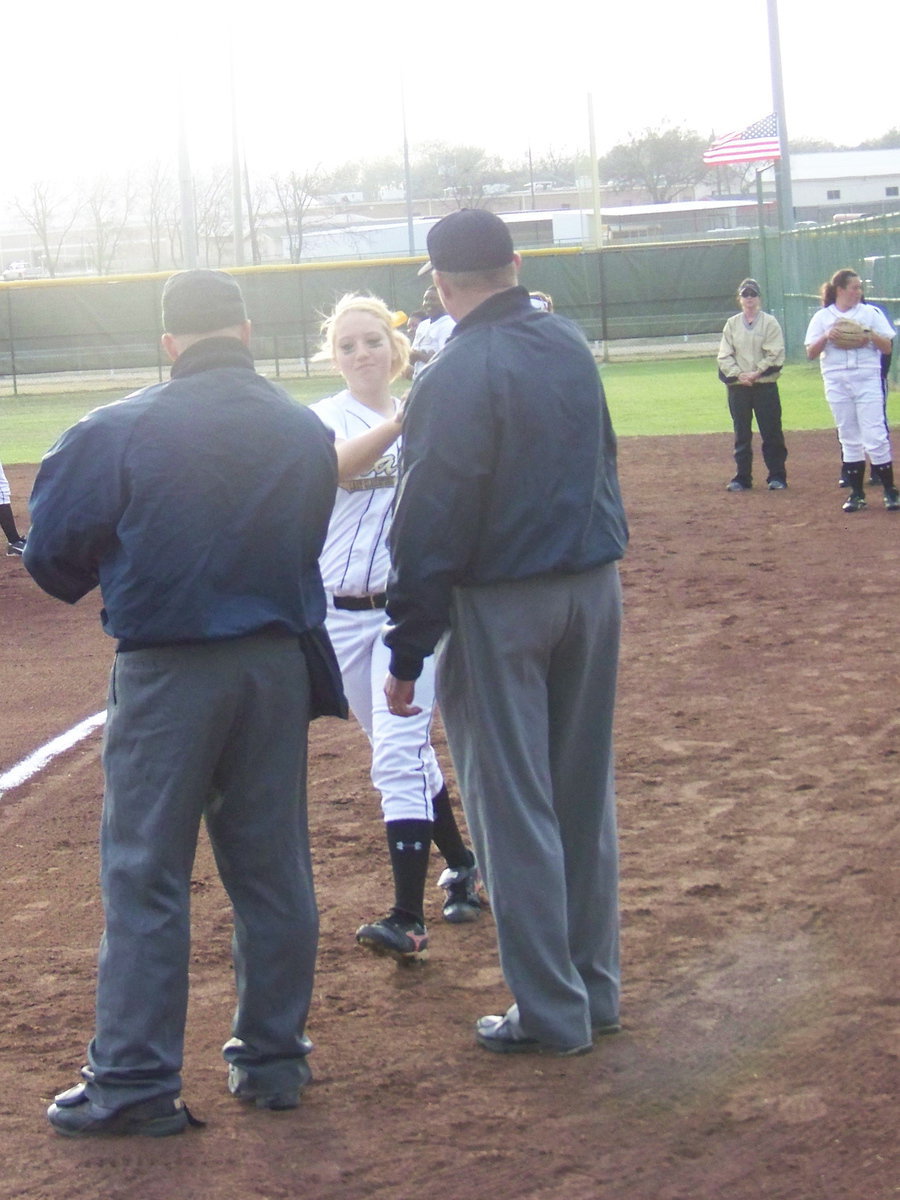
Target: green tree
(460, 172)
(664, 161)
(887, 141)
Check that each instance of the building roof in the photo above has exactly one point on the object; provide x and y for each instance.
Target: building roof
(844, 164)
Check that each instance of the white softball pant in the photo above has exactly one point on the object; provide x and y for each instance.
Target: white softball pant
(4, 487)
(404, 765)
(856, 400)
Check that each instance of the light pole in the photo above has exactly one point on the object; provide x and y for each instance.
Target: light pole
(783, 166)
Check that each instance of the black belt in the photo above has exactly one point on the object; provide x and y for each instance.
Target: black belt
(360, 603)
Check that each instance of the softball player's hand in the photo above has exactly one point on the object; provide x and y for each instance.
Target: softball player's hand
(400, 694)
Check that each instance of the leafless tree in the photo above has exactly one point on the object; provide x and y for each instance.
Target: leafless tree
(109, 204)
(51, 217)
(460, 172)
(256, 201)
(213, 215)
(294, 194)
(162, 215)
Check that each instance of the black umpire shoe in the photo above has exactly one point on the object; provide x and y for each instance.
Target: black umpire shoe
(73, 1115)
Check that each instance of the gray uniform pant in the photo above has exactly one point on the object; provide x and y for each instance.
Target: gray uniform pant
(215, 731)
(526, 687)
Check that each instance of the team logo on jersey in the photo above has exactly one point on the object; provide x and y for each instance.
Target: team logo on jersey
(382, 475)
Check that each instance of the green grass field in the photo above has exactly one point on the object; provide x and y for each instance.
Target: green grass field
(645, 398)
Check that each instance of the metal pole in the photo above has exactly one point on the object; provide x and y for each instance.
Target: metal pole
(186, 190)
(597, 240)
(762, 233)
(783, 166)
(12, 343)
(597, 226)
(407, 177)
(236, 204)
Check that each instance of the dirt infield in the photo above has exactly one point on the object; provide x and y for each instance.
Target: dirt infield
(758, 743)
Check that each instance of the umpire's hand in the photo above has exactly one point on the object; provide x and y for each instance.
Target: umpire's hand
(400, 694)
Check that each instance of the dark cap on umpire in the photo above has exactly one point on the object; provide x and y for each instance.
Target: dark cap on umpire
(201, 301)
(471, 239)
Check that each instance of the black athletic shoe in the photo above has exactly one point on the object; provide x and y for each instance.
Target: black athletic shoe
(854, 503)
(737, 486)
(891, 499)
(777, 485)
(403, 940)
(464, 896)
(15, 549)
(73, 1115)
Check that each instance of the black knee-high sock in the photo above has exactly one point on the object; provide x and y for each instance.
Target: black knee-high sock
(409, 845)
(8, 523)
(885, 472)
(855, 476)
(446, 833)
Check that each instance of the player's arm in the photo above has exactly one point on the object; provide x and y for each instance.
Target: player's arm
(726, 358)
(772, 359)
(359, 454)
(816, 338)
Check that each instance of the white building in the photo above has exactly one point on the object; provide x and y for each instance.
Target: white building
(845, 181)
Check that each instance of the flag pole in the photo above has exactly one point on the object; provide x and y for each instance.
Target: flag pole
(783, 165)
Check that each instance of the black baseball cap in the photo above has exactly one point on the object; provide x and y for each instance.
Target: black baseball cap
(471, 239)
(200, 301)
(749, 287)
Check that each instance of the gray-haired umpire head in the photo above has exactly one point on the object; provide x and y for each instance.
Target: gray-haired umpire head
(201, 301)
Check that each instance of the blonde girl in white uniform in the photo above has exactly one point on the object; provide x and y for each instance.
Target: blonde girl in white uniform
(370, 352)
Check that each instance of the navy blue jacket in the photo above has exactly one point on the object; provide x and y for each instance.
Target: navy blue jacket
(508, 469)
(199, 506)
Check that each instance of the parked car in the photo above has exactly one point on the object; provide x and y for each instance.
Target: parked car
(22, 270)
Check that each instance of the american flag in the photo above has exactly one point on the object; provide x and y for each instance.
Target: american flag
(753, 144)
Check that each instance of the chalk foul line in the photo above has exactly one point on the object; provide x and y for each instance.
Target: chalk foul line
(37, 760)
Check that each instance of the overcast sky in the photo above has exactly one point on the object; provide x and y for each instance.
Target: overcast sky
(93, 87)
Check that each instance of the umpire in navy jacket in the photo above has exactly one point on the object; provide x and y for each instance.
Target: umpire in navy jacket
(504, 546)
(199, 506)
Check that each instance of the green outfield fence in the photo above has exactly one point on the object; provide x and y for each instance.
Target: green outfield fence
(112, 323)
(670, 292)
(792, 267)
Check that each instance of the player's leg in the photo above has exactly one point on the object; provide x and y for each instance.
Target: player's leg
(498, 736)
(842, 402)
(257, 822)
(876, 437)
(767, 407)
(7, 519)
(741, 409)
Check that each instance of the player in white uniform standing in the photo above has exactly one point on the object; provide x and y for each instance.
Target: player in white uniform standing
(432, 333)
(370, 354)
(853, 385)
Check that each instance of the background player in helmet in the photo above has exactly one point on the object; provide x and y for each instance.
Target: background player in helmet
(371, 353)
